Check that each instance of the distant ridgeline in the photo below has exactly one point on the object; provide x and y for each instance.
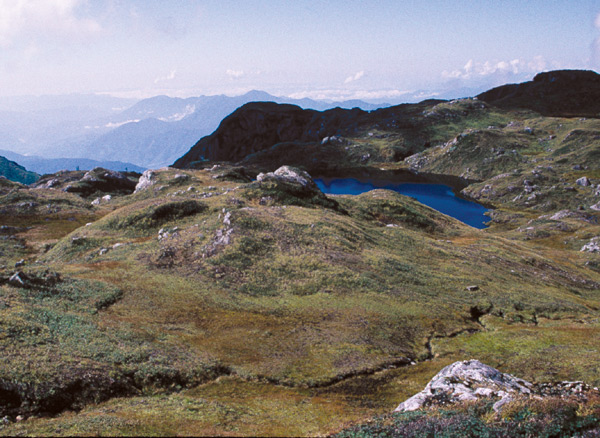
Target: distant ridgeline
(258, 126)
(43, 165)
(14, 172)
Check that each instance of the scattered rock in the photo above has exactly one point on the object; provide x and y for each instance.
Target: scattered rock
(181, 177)
(16, 280)
(583, 181)
(77, 240)
(334, 139)
(165, 233)
(592, 246)
(266, 200)
(222, 238)
(565, 214)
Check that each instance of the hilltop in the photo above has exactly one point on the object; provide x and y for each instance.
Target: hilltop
(15, 172)
(559, 93)
(232, 296)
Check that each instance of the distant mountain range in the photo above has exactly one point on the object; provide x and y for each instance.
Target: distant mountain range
(151, 133)
(43, 166)
(155, 132)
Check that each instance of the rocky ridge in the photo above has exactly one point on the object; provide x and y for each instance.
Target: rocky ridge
(560, 93)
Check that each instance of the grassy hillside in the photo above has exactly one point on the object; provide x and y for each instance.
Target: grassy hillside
(12, 171)
(208, 302)
(330, 299)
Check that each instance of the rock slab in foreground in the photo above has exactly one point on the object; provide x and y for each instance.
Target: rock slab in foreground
(471, 380)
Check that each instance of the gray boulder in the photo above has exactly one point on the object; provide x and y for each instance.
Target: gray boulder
(583, 181)
(592, 246)
(291, 175)
(468, 380)
(147, 179)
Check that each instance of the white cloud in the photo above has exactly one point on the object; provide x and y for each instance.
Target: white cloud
(474, 69)
(337, 95)
(169, 77)
(116, 125)
(234, 74)
(43, 18)
(189, 109)
(355, 77)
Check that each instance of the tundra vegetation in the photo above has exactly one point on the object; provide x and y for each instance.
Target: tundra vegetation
(209, 302)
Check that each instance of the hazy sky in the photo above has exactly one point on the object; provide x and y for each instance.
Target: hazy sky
(316, 48)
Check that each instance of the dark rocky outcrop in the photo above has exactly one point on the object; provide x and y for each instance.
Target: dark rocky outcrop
(560, 93)
(259, 125)
(95, 182)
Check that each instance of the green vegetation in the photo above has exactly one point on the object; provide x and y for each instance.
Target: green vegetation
(553, 417)
(13, 172)
(207, 303)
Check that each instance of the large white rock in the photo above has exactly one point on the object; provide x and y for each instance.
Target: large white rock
(464, 381)
(583, 181)
(289, 174)
(146, 180)
(592, 246)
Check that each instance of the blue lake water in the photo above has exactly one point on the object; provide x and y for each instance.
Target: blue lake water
(437, 196)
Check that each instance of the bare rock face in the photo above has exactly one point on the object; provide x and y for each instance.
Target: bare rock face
(467, 381)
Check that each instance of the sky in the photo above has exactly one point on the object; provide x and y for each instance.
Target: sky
(329, 49)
